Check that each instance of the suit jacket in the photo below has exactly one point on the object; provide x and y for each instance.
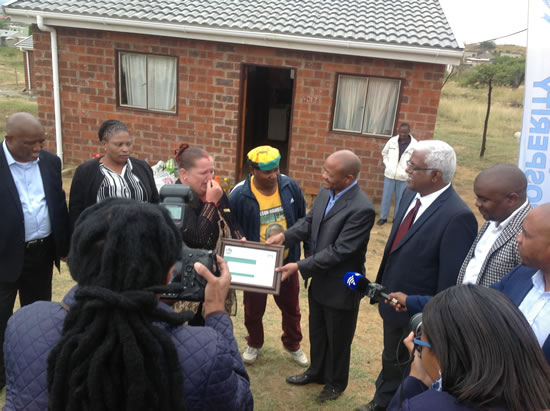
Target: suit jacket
(428, 258)
(12, 224)
(88, 178)
(339, 243)
(516, 285)
(503, 255)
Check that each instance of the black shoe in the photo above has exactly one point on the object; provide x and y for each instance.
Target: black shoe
(328, 394)
(382, 221)
(301, 379)
(371, 406)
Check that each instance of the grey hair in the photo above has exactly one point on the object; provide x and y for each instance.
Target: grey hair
(440, 156)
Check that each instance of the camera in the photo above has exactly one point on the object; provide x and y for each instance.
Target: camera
(186, 283)
(191, 284)
(175, 198)
(415, 325)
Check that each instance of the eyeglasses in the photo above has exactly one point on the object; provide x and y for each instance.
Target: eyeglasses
(418, 344)
(415, 168)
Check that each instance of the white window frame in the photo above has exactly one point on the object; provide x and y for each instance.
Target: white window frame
(364, 102)
(146, 107)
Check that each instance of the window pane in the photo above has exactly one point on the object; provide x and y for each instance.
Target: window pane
(382, 99)
(132, 80)
(350, 103)
(162, 83)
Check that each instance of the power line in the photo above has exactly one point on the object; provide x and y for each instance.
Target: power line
(501, 37)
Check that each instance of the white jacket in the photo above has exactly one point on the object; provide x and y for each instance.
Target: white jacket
(395, 166)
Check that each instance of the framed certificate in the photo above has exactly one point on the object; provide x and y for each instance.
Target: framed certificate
(252, 265)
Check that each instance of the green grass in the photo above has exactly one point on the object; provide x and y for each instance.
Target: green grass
(10, 105)
(12, 74)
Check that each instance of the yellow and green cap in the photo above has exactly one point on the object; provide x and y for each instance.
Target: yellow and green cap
(264, 157)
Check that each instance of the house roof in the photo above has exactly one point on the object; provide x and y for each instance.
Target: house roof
(25, 44)
(349, 24)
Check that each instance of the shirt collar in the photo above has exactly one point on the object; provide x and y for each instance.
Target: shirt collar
(341, 193)
(430, 198)
(10, 160)
(538, 281)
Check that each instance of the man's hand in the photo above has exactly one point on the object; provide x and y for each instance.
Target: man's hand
(216, 289)
(398, 301)
(213, 192)
(277, 239)
(287, 270)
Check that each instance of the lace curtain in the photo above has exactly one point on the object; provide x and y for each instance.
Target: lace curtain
(366, 105)
(148, 81)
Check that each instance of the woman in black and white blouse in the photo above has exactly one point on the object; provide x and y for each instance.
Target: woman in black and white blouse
(115, 174)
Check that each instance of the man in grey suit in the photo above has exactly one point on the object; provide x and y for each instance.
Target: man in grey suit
(338, 225)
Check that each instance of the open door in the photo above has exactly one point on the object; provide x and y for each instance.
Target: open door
(266, 108)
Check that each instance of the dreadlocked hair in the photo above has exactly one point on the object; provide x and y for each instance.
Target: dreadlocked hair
(111, 355)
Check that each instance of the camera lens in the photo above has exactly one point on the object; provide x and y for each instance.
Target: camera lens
(415, 324)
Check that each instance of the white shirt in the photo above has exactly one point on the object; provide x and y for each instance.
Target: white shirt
(30, 188)
(425, 202)
(536, 308)
(484, 245)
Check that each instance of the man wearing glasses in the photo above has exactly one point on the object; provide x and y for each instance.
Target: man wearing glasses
(432, 233)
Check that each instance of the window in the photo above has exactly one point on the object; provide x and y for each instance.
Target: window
(148, 82)
(366, 105)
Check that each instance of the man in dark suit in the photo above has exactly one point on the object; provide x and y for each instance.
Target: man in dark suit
(430, 237)
(528, 285)
(34, 224)
(338, 225)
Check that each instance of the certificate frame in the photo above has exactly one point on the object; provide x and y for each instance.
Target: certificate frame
(245, 258)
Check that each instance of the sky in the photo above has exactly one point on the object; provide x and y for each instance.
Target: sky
(478, 20)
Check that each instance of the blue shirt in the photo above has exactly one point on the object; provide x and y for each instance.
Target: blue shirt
(334, 198)
(536, 308)
(28, 181)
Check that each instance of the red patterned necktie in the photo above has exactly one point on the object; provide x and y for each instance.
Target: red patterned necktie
(405, 225)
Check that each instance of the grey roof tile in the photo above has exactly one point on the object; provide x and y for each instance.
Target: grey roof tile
(404, 22)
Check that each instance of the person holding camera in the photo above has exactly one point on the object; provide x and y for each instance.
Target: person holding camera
(210, 219)
(110, 344)
(476, 351)
(114, 174)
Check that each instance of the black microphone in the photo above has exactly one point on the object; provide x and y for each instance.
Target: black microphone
(360, 283)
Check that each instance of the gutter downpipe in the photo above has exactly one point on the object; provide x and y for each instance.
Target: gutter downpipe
(55, 78)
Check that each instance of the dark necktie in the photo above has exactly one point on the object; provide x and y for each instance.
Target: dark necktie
(405, 225)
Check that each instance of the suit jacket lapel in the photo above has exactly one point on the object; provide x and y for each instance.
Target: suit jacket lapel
(511, 229)
(425, 216)
(8, 178)
(318, 213)
(341, 203)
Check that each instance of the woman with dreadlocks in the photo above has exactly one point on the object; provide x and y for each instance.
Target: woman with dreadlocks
(113, 174)
(110, 344)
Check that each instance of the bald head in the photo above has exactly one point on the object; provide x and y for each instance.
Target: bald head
(500, 190)
(24, 137)
(534, 240)
(505, 178)
(347, 161)
(340, 170)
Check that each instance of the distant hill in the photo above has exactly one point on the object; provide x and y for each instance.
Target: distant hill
(500, 48)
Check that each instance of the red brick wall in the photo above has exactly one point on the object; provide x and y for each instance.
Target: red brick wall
(209, 99)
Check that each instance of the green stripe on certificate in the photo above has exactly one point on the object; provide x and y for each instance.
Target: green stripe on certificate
(242, 275)
(239, 260)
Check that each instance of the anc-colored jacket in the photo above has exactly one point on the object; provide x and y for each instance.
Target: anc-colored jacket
(214, 375)
(246, 209)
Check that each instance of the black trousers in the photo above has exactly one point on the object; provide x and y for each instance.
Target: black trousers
(394, 364)
(331, 333)
(34, 283)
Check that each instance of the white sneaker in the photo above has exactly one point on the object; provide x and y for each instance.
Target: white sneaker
(300, 357)
(250, 355)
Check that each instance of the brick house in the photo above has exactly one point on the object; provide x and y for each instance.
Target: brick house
(307, 77)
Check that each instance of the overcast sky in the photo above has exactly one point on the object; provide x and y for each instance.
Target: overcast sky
(478, 20)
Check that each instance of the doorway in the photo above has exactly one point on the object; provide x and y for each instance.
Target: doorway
(266, 109)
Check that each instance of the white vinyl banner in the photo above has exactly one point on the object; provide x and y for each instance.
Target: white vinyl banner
(534, 153)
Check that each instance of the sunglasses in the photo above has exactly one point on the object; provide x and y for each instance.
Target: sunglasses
(418, 344)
